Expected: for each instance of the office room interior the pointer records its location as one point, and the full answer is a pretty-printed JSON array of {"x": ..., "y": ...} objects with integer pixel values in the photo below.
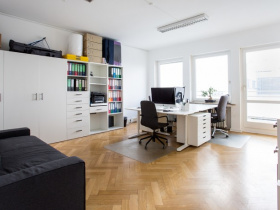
[{"x": 233, "y": 29}]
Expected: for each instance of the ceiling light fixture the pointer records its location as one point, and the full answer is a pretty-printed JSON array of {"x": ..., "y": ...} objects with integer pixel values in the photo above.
[{"x": 183, "y": 23}]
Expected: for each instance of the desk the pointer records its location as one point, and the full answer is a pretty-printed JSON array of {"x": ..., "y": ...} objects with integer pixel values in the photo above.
[{"x": 182, "y": 121}]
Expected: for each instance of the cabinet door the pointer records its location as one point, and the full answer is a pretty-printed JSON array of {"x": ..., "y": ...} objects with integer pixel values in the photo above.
[
  {"x": 52, "y": 96},
  {"x": 21, "y": 105},
  {"x": 1, "y": 89}
]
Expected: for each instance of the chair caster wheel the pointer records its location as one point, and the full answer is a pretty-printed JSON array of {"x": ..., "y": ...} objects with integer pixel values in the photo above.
[
  {"x": 213, "y": 137},
  {"x": 226, "y": 136}
]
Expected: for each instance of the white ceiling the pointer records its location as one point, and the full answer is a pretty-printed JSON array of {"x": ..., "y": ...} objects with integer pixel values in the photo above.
[{"x": 134, "y": 22}]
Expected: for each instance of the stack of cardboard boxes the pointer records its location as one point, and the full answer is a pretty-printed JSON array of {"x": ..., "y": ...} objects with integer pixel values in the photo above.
[{"x": 93, "y": 47}]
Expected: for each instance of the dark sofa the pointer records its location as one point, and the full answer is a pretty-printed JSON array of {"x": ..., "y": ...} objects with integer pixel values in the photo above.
[{"x": 34, "y": 175}]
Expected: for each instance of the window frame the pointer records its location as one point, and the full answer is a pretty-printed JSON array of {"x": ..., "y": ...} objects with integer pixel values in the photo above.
[
  {"x": 168, "y": 61},
  {"x": 193, "y": 72}
]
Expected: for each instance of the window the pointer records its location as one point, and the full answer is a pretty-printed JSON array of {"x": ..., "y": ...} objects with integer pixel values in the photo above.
[
  {"x": 170, "y": 73},
  {"x": 262, "y": 82},
  {"x": 210, "y": 70}
]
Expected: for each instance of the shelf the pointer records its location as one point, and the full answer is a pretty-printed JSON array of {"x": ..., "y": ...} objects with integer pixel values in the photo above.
[
  {"x": 77, "y": 76},
  {"x": 114, "y": 101},
  {"x": 115, "y": 113},
  {"x": 114, "y": 89},
  {"x": 113, "y": 78},
  {"x": 93, "y": 83},
  {"x": 98, "y": 77},
  {"x": 97, "y": 131},
  {"x": 115, "y": 128}
]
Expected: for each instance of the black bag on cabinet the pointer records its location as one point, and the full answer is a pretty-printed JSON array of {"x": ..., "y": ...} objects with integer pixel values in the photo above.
[{"x": 30, "y": 49}]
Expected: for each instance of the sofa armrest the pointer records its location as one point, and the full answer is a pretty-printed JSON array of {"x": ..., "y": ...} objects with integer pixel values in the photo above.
[
  {"x": 4, "y": 134},
  {"x": 55, "y": 185}
]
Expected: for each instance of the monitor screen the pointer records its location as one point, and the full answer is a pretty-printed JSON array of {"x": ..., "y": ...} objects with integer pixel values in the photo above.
[{"x": 163, "y": 95}]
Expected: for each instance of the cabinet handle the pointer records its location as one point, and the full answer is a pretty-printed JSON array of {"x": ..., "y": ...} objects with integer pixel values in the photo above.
[
  {"x": 79, "y": 120},
  {"x": 204, "y": 123},
  {"x": 79, "y": 101},
  {"x": 36, "y": 96},
  {"x": 204, "y": 127},
  {"x": 79, "y": 130},
  {"x": 204, "y": 132},
  {"x": 204, "y": 119},
  {"x": 204, "y": 137},
  {"x": 276, "y": 149},
  {"x": 78, "y": 94},
  {"x": 42, "y": 96},
  {"x": 79, "y": 113},
  {"x": 79, "y": 107},
  {"x": 98, "y": 109},
  {"x": 204, "y": 115}
]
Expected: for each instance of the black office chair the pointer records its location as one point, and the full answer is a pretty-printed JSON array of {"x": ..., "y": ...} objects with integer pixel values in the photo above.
[
  {"x": 149, "y": 119},
  {"x": 220, "y": 115}
]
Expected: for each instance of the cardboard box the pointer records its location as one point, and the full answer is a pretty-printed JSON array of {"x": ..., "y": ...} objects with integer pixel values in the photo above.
[
  {"x": 88, "y": 51},
  {"x": 94, "y": 59},
  {"x": 75, "y": 57},
  {"x": 92, "y": 45},
  {"x": 92, "y": 38}
]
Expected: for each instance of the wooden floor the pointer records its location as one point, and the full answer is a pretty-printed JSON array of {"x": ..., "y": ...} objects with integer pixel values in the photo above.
[{"x": 209, "y": 177}]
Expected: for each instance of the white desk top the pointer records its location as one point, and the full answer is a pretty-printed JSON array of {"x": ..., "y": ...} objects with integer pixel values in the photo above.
[{"x": 193, "y": 108}]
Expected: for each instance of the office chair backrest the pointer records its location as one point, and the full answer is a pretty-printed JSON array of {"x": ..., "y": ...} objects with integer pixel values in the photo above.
[
  {"x": 221, "y": 110},
  {"x": 149, "y": 114}
]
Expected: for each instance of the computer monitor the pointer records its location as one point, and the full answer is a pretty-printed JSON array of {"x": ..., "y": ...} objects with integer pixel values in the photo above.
[{"x": 163, "y": 95}]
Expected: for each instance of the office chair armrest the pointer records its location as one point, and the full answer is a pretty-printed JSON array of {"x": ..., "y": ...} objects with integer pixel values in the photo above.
[{"x": 164, "y": 116}]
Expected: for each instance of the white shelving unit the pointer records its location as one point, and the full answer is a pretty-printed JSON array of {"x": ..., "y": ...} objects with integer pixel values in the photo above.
[{"x": 101, "y": 82}]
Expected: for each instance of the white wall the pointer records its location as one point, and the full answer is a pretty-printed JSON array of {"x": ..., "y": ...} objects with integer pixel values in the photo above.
[
  {"x": 135, "y": 78},
  {"x": 233, "y": 43},
  {"x": 134, "y": 60}
]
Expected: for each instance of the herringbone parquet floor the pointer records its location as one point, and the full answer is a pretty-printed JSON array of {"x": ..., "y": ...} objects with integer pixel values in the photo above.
[{"x": 208, "y": 177}]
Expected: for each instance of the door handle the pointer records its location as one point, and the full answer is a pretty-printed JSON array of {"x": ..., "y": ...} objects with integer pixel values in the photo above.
[{"x": 276, "y": 149}]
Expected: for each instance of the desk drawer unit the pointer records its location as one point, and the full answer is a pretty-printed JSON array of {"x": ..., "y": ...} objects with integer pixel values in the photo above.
[
  {"x": 199, "y": 128},
  {"x": 77, "y": 114}
]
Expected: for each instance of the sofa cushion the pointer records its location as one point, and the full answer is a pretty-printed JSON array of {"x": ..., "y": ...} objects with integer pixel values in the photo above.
[
  {"x": 2, "y": 171},
  {"x": 25, "y": 151}
]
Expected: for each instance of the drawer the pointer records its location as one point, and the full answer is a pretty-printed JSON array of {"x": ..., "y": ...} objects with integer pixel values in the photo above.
[
  {"x": 201, "y": 120},
  {"x": 73, "y": 94},
  {"x": 77, "y": 107},
  {"x": 203, "y": 125},
  {"x": 75, "y": 114},
  {"x": 203, "y": 139},
  {"x": 77, "y": 122},
  {"x": 98, "y": 109},
  {"x": 78, "y": 100},
  {"x": 73, "y": 133}
]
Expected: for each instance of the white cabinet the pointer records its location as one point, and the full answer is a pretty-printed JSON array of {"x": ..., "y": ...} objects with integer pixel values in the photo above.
[
  {"x": 199, "y": 128},
  {"x": 35, "y": 95},
  {"x": 1, "y": 89}
]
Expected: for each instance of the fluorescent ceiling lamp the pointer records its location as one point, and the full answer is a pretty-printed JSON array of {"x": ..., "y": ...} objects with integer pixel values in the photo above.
[{"x": 183, "y": 23}]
